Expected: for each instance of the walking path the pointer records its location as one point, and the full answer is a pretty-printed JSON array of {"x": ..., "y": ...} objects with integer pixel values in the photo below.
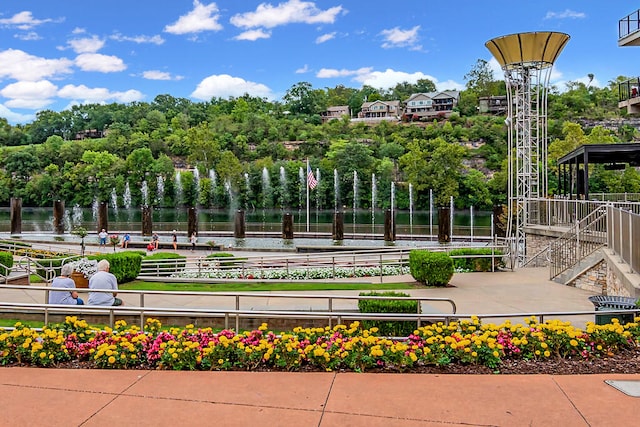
[
  {"x": 78, "y": 397},
  {"x": 61, "y": 397}
]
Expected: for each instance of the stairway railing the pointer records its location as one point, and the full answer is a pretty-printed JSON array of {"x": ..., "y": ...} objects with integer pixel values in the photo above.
[{"x": 587, "y": 236}]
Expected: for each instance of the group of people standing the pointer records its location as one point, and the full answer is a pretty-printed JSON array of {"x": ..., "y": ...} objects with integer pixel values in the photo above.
[{"x": 101, "y": 280}]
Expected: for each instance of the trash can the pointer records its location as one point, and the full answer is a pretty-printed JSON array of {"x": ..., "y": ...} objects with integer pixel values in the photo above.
[{"x": 610, "y": 303}]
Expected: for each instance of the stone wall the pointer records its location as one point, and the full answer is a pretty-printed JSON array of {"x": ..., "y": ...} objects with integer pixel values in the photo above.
[{"x": 593, "y": 280}]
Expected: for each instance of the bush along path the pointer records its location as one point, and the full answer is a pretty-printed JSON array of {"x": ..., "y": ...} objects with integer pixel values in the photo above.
[{"x": 465, "y": 346}]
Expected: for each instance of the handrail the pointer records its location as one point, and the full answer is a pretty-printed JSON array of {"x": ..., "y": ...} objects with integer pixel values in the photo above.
[
  {"x": 586, "y": 237},
  {"x": 339, "y": 316},
  {"x": 236, "y": 297}
]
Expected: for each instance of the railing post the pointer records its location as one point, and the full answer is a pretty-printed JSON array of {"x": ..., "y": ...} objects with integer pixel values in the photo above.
[
  {"x": 577, "y": 240},
  {"x": 237, "y": 314},
  {"x": 381, "y": 271},
  {"x": 630, "y": 241},
  {"x": 620, "y": 234}
]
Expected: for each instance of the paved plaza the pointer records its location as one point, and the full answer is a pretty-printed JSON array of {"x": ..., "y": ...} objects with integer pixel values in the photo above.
[{"x": 82, "y": 397}]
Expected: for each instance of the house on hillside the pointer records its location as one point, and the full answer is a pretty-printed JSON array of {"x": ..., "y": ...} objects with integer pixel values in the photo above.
[
  {"x": 335, "y": 112},
  {"x": 492, "y": 105},
  {"x": 431, "y": 104},
  {"x": 90, "y": 133},
  {"x": 380, "y": 110}
]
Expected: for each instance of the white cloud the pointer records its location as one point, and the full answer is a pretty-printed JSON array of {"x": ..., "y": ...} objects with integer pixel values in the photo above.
[
  {"x": 567, "y": 13},
  {"x": 98, "y": 95},
  {"x": 30, "y": 36},
  {"x": 160, "y": 75},
  {"x": 157, "y": 40},
  {"x": 86, "y": 45},
  {"x": 332, "y": 73},
  {"x": 253, "y": 35},
  {"x": 13, "y": 117},
  {"x": 201, "y": 18},
  {"x": 78, "y": 30},
  {"x": 224, "y": 86},
  {"x": 325, "y": 37},
  {"x": 303, "y": 70},
  {"x": 396, "y": 37},
  {"x": 99, "y": 62},
  {"x": 29, "y": 90},
  {"x": 385, "y": 79},
  {"x": 23, "y": 21},
  {"x": 19, "y": 65},
  {"x": 293, "y": 11}
]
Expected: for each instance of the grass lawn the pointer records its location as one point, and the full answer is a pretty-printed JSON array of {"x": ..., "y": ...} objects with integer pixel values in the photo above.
[{"x": 257, "y": 286}]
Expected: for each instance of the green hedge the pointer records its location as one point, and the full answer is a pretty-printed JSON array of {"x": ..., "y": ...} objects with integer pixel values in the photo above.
[
  {"x": 124, "y": 265},
  {"x": 482, "y": 263},
  {"x": 165, "y": 268},
  {"x": 6, "y": 262},
  {"x": 390, "y": 328},
  {"x": 430, "y": 268}
]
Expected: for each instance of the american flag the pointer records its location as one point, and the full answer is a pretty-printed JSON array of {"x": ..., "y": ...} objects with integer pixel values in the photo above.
[{"x": 312, "y": 182}]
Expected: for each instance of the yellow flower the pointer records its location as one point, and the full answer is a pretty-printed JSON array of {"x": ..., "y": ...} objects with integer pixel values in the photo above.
[
  {"x": 573, "y": 343},
  {"x": 112, "y": 360}
]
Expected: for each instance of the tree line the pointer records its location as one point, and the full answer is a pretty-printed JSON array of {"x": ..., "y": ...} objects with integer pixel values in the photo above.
[{"x": 223, "y": 147}]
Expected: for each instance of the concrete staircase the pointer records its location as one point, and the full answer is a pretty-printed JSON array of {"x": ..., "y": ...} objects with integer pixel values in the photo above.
[{"x": 582, "y": 266}]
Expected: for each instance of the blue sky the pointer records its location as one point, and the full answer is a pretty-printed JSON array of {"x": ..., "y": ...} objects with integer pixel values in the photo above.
[{"x": 54, "y": 54}]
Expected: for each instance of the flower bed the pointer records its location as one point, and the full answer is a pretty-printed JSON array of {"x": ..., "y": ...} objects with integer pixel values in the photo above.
[
  {"x": 294, "y": 273},
  {"x": 342, "y": 347}
]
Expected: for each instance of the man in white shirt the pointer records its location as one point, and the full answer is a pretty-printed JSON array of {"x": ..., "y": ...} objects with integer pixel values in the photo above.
[{"x": 104, "y": 280}]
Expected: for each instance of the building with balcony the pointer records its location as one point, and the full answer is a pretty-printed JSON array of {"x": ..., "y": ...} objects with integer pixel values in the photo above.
[
  {"x": 629, "y": 35},
  {"x": 335, "y": 112},
  {"x": 432, "y": 104},
  {"x": 380, "y": 110},
  {"x": 496, "y": 105}
]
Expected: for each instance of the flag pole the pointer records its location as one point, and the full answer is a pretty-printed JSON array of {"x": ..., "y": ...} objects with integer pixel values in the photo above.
[{"x": 307, "y": 185}]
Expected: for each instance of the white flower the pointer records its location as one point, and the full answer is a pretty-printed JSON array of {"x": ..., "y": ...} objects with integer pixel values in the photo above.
[{"x": 85, "y": 266}]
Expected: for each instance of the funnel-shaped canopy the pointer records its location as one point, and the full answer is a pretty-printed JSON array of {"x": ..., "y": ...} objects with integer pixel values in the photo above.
[{"x": 538, "y": 49}]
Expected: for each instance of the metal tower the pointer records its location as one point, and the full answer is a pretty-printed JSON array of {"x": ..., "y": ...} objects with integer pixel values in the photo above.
[{"x": 527, "y": 60}]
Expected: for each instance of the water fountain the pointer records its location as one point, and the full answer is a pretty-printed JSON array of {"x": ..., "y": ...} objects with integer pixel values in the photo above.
[
  {"x": 94, "y": 208},
  {"x": 212, "y": 191},
  {"x": 76, "y": 215},
  {"x": 114, "y": 200},
  {"x": 229, "y": 191},
  {"x": 431, "y": 212},
  {"x": 373, "y": 204},
  {"x": 411, "y": 210},
  {"x": 247, "y": 184},
  {"x": 160, "y": 191},
  {"x": 336, "y": 190},
  {"x": 126, "y": 198},
  {"x": 283, "y": 188},
  {"x": 144, "y": 191},
  {"x": 355, "y": 200},
  {"x": 302, "y": 187},
  {"x": 266, "y": 194},
  {"x": 196, "y": 185},
  {"x": 177, "y": 183}
]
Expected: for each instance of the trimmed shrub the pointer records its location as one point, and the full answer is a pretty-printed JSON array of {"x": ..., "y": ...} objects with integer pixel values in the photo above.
[
  {"x": 430, "y": 268},
  {"x": 164, "y": 266},
  {"x": 390, "y": 328},
  {"x": 6, "y": 262},
  {"x": 482, "y": 263},
  {"x": 124, "y": 265}
]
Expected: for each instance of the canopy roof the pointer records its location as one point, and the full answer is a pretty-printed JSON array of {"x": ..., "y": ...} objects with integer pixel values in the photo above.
[
  {"x": 603, "y": 154},
  {"x": 536, "y": 49}
]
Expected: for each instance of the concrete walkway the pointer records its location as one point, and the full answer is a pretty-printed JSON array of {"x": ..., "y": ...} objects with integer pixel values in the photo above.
[{"x": 60, "y": 397}]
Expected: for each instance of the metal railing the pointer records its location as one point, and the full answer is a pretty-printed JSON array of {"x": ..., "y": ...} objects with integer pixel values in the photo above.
[
  {"x": 232, "y": 316},
  {"x": 298, "y": 266},
  {"x": 565, "y": 212},
  {"x": 237, "y": 304},
  {"x": 588, "y": 235},
  {"x": 629, "y": 24},
  {"x": 623, "y": 235}
]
